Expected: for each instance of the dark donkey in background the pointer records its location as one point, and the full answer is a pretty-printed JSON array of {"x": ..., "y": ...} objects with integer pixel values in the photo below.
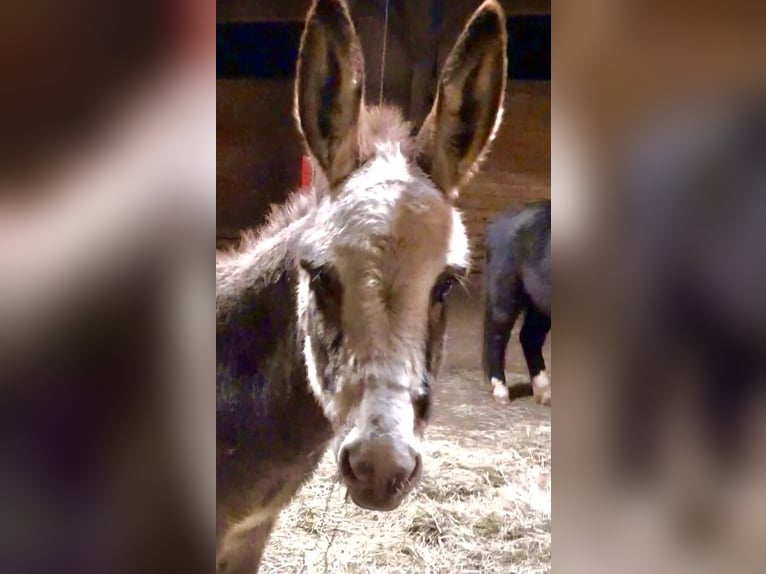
[
  {"x": 518, "y": 278},
  {"x": 331, "y": 319}
]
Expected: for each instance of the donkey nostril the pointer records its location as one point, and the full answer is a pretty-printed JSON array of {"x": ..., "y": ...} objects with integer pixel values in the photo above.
[
  {"x": 360, "y": 466},
  {"x": 405, "y": 478},
  {"x": 354, "y": 466}
]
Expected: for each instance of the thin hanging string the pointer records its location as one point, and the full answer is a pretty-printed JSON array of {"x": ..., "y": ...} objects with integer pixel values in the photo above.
[{"x": 383, "y": 62}]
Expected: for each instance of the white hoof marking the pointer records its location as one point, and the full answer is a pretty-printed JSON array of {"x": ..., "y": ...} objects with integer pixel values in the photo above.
[
  {"x": 499, "y": 390},
  {"x": 541, "y": 387}
]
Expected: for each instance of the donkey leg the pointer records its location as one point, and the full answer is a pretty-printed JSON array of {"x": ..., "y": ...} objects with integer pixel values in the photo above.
[
  {"x": 498, "y": 323},
  {"x": 533, "y": 333},
  {"x": 243, "y": 545}
]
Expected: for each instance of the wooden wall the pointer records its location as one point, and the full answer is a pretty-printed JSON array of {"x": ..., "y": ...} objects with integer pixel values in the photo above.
[
  {"x": 259, "y": 156},
  {"x": 517, "y": 170},
  {"x": 295, "y": 10},
  {"x": 259, "y": 149}
]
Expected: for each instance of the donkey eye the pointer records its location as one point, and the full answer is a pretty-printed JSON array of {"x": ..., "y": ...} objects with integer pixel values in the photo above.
[
  {"x": 422, "y": 406},
  {"x": 320, "y": 276},
  {"x": 319, "y": 280},
  {"x": 327, "y": 289},
  {"x": 442, "y": 288}
]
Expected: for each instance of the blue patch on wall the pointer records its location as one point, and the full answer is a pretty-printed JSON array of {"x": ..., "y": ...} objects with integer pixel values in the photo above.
[
  {"x": 270, "y": 49},
  {"x": 529, "y": 47},
  {"x": 257, "y": 49}
]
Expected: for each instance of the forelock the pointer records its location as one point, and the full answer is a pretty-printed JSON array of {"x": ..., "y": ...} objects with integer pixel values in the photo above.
[{"x": 383, "y": 128}]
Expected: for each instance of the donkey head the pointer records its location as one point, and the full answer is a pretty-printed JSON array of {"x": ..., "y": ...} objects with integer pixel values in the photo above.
[{"x": 385, "y": 242}]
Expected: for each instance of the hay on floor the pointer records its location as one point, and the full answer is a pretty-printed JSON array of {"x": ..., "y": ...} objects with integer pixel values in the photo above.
[{"x": 483, "y": 506}]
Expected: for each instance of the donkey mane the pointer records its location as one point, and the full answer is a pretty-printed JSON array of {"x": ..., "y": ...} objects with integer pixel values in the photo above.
[
  {"x": 382, "y": 126},
  {"x": 298, "y": 205}
]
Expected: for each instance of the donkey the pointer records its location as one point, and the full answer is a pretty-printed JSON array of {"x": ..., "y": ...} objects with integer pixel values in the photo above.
[
  {"x": 331, "y": 318},
  {"x": 518, "y": 278}
]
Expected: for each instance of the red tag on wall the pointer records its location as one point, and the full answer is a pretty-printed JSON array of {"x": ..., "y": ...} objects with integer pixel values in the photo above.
[{"x": 306, "y": 171}]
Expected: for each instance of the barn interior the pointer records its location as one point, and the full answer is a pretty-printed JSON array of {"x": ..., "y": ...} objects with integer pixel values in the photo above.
[{"x": 485, "y": 501}]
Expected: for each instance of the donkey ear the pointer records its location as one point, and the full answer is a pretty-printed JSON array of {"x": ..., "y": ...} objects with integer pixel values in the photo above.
[
  {"x": 329, "y": 88},
  {"x": 468, "y": 106}
]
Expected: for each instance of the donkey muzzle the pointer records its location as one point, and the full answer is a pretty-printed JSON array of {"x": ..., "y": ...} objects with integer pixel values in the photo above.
[{"x": 379, "y": 472}]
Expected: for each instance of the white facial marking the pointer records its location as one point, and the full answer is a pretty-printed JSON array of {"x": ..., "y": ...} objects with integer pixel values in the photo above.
[
  {"x": 389, "y": 233},
  {"x": 311, "y": 367},
  {"x": 383, "y": 413},
  {"x": 394, "y": 233},
  {"x": 459, "y": 250},
  {"x": 499, "y": 390}
]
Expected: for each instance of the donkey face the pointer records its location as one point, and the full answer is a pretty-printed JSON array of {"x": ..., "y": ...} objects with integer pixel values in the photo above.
[{"x": 385, "y": 242}]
